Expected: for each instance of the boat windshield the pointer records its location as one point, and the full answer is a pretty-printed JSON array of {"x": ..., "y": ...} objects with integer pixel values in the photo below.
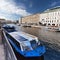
[
  {"x": 27, "y": 48},
  {"x": 32, "y": 46}
]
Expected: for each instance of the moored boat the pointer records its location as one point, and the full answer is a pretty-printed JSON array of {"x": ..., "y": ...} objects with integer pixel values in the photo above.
[{"x": 28, "y": 46}]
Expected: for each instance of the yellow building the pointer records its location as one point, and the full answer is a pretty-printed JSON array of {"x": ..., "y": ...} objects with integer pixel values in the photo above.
[
  {"x": 31, "y": 20},
  {"x": 2, "y": 20}
]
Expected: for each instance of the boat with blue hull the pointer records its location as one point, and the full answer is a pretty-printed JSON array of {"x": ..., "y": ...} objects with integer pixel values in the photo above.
[{"x": 27, "y": 46}]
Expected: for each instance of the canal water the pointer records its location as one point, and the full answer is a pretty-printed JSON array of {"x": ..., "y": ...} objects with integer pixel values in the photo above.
[{"x": 50, "y": 39}]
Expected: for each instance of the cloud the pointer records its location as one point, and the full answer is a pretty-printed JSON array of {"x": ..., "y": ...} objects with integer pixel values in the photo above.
[
  {"x": 1, "y": 16},
  {"x": 10, "y": 8},
  {"x": 55, "y": 3}
]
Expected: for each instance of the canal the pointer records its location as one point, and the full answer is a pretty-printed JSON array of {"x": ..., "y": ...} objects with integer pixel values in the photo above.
[{"x": 50, "y": 39}]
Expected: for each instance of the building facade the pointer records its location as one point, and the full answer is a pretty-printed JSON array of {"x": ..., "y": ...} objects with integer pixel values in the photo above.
[
  {"x": 31, "y": 20},
  {"x": 2, "y": 20},
  {"x": 51, "y": 17}
]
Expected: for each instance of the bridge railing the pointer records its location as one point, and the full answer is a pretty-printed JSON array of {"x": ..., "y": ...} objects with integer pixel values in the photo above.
[{"x": 10, "y": 55}]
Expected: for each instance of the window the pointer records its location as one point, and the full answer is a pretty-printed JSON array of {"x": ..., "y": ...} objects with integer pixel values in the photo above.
[
  {"x": 48, "y": 21},
  {"x": 26, "y": 48},
  {"x": 45, "y": 24},
  {"x": 59, "y": 24},
  {"x": 48, "y": 24},
  {"x": 34, "y": 44},
  {"x": 42, "y": 19},
  {"x": 53, "y": 24},
  {"x": 58, "y": 13},
  {"x": 52, "y": 20},
  {"x": 14, "y": 41},
  {"x": 57, "y": 20},
  {"x": 55, "y": 17}
]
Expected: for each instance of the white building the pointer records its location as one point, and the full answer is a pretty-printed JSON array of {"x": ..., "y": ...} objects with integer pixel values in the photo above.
[{"x": 51, "y": 17}]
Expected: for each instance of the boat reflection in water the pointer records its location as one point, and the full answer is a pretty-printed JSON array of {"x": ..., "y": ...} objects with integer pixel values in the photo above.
[
  {"x": 26, "y": 45},
  {"x": 56, "y": 29}
]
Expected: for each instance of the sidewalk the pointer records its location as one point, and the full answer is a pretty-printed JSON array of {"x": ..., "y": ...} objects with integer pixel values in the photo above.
[{"x": 2, "y": 55}]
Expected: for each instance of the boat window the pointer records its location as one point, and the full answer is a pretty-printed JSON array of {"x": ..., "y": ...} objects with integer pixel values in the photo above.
[
  {"x": 9, "y": 29},
  {"x": 21, "y": 38},
  {"x": 26, "y": 48},
  {"x": 14, "y": 41},
  {"x": 33, "y": 44}
]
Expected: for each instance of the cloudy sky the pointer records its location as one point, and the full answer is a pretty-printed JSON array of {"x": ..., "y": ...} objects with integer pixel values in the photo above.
[{"x": 14, "y": 9}]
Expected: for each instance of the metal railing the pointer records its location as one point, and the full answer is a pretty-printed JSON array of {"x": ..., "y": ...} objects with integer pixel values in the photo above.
[{"x": 10, "y": 55}]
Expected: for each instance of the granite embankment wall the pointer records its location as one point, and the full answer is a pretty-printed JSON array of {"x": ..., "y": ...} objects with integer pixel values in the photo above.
[
  {"x": 2, "y": 51},
  {"x": 1, "y": 36}
]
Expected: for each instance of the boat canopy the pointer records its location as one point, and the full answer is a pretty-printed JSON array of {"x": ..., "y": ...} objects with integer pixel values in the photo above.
[{"x": 23, "y": 35}]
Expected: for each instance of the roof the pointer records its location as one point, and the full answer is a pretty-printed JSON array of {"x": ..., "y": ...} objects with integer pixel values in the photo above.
[
  {"x": 22, "y": 36},
  {"x": 52, "y": 9}
]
